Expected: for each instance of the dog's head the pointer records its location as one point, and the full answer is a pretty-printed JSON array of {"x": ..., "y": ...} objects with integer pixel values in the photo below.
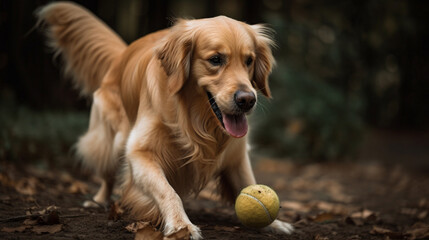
[{"x": 226, "y": 60}]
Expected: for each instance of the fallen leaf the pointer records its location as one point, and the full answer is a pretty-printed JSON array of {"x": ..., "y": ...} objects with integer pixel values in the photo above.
[
  {"x": 386, "y": 232},
  {"x": 66, "y": 177},
  {"x": 301, "y": 223},
  {"x": 14, "y": 229},
  {"x": 379, "y": 230},
  {"x": 27, "y": 186},
  {"x": 30, "y": 221},
  {"x": 422, "y": 215},
  {"x": 318, "y": 237},
  {"x": 49, "y": 215},
  {"x": 48, "y": 209},
  {"x": 78, "y": 187},
  {"x": 39, "y": 229},
  {"x": 323, "y": 217},
  {"x": 135, "y": 226},
  {"x": 144, "y": 230},
  {"x": 335, "y": 208},
  {"x": 354, "y": 237},
  {"x": 418, "y": 231},
  {"x": 297, "y": 206},
  {"x": 354, "y": 221},
  {"x": 148, "y": 233},
  {"x": 182, "y": 234},
  {"x": 224, "y": 228},
  {"x": 366, "y": 215}
]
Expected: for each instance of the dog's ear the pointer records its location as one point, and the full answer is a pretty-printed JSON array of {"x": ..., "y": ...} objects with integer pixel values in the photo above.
[
  {"x": 264, "y": 61},
  {"x": 175, "y": 53}
]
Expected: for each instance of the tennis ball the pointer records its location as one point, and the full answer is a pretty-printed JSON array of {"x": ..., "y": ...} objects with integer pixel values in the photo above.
[{"x": 257, "y": 206}]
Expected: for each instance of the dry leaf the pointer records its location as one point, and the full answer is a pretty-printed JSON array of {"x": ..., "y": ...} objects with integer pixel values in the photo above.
[
  {"x": 66, "y": 177},
  {"x": 50, "y": 219},
  {"x": 49, "y": 215},
  {"x": 225, "y": 228},
  {"x": 182, "y": 234},
  {"x": 422, "y": 215},
  {"x": 379, "y": 230},
  {"x": 14, "y": 229},
  {"x": 338, "y": 209},
  {"x": 323, "y": 217},
  {"x": 418, "y": 231},
  {"x": 144, "y": 230},
  {"x": 297, "y": 206},
  {"x": 354, "y": 237},
  {"x": 30, "y": 221},
  {"x": 147, "y": 233},
  {"x": 366, "y": 215},
  {"x": 39, "y": 229},
  {"x": 48, "y": 209},
  {"x": 301, "y": 223},
  {"x": 78, "y": 187},
  {"x": 354, "y": 221},
  {"x": 135, "y": 226},
  {"x": 386, "y": 232},
  {"x": 27, "y": 186},
  {"x": 318, "y": 237}
]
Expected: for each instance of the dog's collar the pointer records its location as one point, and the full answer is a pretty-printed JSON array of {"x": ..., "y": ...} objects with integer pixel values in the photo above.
[{"x": 215, "y": 107}]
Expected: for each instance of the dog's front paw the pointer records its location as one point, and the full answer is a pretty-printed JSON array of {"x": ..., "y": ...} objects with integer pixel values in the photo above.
[
  {"x": 189, "y": 231},
  {"x": 279, "y": 227}
]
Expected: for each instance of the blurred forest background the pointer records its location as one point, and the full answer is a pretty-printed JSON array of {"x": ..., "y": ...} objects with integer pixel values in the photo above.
[{"x": 344, "y": 69}]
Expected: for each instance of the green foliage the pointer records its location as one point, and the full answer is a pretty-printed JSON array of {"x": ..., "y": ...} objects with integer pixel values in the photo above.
[
  {"x": 308, "y": 119},
  {"x": 33, "y": 135}
]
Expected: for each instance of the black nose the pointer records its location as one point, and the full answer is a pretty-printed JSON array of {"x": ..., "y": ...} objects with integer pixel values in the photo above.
[{"x": 244, "y": 100}]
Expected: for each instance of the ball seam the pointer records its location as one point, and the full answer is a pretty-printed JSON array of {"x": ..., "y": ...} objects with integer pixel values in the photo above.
[{"x": 262, "y": 204}]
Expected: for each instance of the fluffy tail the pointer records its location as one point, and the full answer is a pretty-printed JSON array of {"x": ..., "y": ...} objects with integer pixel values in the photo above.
[{"x": 87, "y": 45}]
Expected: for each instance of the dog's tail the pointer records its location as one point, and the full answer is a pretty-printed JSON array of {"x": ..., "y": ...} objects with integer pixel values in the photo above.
[{"x": 87, "y": 45}]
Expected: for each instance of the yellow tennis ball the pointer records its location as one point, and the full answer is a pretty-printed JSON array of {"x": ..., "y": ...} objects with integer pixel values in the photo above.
[{"x": 257, "y": 206}]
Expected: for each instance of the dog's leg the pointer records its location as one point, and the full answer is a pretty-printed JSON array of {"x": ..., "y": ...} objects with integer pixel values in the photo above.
[
  {"x": 237, "y": 175},
  {"x": 149, "y": 177},
  {"x": 102, "y": 146}
]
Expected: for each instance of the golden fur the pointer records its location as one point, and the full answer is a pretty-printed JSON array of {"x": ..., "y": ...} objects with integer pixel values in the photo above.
[{"x": 150, "y": 105}]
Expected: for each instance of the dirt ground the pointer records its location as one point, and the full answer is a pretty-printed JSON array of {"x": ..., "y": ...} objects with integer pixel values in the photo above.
[{"x": 383, "y": 196}]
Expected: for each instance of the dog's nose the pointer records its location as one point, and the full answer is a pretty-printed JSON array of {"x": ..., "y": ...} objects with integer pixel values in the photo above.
[{"x": 244, "y": 100}]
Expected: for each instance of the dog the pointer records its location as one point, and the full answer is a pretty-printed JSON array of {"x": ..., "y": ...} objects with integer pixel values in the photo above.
[{"x": 171, "y": 107}]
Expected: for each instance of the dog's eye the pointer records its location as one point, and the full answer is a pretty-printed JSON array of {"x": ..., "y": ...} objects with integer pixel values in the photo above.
[
  {"x": 249, "y": 61},
  {"x": 216, "y": 60}
]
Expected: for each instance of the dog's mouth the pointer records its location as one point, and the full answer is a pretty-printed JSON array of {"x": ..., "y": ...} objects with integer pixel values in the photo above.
[{"x": 234, "y": 124}]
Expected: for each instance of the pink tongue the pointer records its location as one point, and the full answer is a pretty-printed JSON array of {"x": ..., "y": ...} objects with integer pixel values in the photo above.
[{"x": 235, "y": 125}]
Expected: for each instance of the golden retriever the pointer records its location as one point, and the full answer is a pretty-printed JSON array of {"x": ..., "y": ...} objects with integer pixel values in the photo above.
[{"x": 171, "y": 107}]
